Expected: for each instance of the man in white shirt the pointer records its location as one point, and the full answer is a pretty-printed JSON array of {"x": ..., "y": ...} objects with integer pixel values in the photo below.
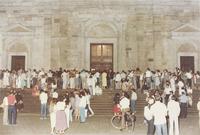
[
  {"x": 64, "y": 79},
  {"x": 118, "y": 81},
  {"x": 43, "y": 101},
  {"x": 159, "y": 111},
  {"x": 124, "y": 105},
  {"x": 173, "y": 108},
  {"x": 148, "y": 75},
  {"x": 189, "y": 78},
  {"x": 149, "y": 117},
  {"x": 133, "y": 100},
  {"x": 167, "y": 91},
  {"x": 82, "y": 105},
  {"x": 55, "y": 94}
]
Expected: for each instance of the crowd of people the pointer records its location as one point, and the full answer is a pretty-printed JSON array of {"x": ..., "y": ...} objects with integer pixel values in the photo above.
[
  {"x": 164, "y": 89},
  {"x": 66, "y": 107},
  {"x": 168, "y": 96}
]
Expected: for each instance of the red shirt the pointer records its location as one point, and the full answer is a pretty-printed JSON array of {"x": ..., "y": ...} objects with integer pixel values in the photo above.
[{"x": 11, "y": 100}]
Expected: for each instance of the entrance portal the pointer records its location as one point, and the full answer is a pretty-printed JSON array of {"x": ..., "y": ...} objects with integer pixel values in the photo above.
[
  {"x": 101, "y": 56},
  {"x": 17, "y": 62},
  {"x": 187, "y": 63}
]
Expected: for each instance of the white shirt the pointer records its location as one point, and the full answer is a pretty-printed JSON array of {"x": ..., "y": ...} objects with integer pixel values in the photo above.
[
  {"x": 40, "y": 74},
  {"x": 148, "y": 73},
  {"x": 90, "y": 81},
  {"x": 180, "y": 84},
  {"x": 159, "y": 111},
  {"x": 64, "y": 76},
  {"x": 34, "y": 74},
  {"x": 43, "y": 80},
  {"x": 118, "y": 77},
  {"x": 173, "y": 108},
  {"x": 123, "y": 75},
  {"x": 97, "y": 74},
  {"x": 43, "y": 98},
  {"x": 88, "y": 99},
  {"x": 60, "y": 106},
  {"x": 124, "y": 103},
  {"x": 189, "y": 90},
  {"x": 147, "y": 113},
  {"x": 55, "y": 95},
  {"x": 133, "y": 96},
  {"x": 49, "y": 74},
  {"x": 5, "y": 102},
  {"x": 198, "y": 106},
  {"x": 188, "y": 75},
  {"x": 167, "y": 90},
  {"x": 83, "y": 101}
]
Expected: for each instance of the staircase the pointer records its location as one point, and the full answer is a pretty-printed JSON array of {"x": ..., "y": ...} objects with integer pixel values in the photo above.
[{"x": 101, "y": 105}]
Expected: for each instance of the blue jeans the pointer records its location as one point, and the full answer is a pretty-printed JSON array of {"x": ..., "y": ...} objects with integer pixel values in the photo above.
[
  {"x": 133, "y": 105},
  {"x": 161, "y": 129},
  {"x": 12, "y": 114},
  {"x": 82, "y": 114},
  {"x": 43, "y": 113}
]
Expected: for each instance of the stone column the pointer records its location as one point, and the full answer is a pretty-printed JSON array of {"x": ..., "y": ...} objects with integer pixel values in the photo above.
[{"x": 122, "y": 50}]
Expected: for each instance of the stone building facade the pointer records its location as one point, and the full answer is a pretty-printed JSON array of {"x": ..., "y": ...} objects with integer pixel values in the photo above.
[{"x": 58, "y": 33}]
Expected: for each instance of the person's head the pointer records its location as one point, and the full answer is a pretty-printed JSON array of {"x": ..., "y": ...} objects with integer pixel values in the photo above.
[
  {"x": 173, "y": 97},
  {"x": 11, "y": 92},
  {"x": 150, "y": 100},
  {"x": 183, "y": 93},
  {"x": 82, "y": 93},
  {"x": 60, "y": 98},
  {"x": 125, "y": 94},
  {"x": 157, "y": 98}
]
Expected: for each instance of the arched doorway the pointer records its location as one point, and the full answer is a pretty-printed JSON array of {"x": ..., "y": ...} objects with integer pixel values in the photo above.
[
  {"x": 101, "y": 46},
  {"x": 101, "y": 56}
]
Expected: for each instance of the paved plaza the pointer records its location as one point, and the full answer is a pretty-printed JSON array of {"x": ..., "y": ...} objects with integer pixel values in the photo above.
[{"x": 30, "y": 124}]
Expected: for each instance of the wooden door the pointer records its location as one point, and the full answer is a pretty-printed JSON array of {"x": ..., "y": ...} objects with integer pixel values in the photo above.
[
  {"x": 18, "y": 62},
  {"x": 101, "y": 56},
  {"x": 187, "y": 63}
]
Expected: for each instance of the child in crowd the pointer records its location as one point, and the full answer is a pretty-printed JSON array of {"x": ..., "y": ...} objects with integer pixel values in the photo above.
[{"x": 116, "y": 107}]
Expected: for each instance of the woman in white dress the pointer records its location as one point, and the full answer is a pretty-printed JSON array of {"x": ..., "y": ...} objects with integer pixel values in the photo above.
[
  {"x": 61, "y": 123},
  {"x": 88, "y": 107},
  {"x": 72, "y": 80},
  {"x": 23, "y": 80},
  {"x": 4, "y": 105},
  {"x": 52, "y": 110},
  {"x": 18, "y": 81},
  {"x": 28, "y": 74},
  {"x": 104, "y": 79},
  {"x": 6, "y": 78},
  {"x": 67, "y": 112}
]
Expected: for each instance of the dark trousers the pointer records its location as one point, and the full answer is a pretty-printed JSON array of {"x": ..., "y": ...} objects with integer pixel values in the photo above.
[
  {"x": 12, "y": 114},
  {"x": 166, "y": 98},
  {"x": 151, "y": 128},
  {"x": 183, "y": 107},
  {"x": 189, "y": 82}
]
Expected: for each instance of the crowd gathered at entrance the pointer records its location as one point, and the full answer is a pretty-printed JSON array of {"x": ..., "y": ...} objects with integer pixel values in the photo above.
[{"x": 168, "y": 94}]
